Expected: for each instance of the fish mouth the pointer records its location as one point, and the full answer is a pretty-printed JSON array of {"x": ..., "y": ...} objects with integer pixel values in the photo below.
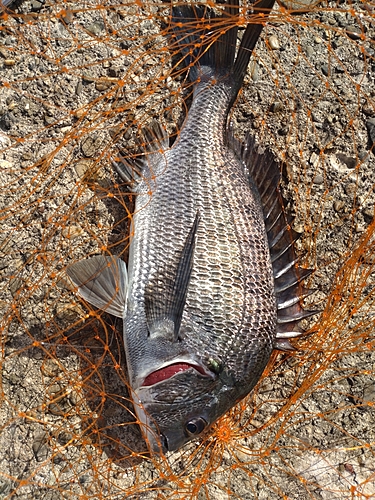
[{"x": 166, "y": 372}]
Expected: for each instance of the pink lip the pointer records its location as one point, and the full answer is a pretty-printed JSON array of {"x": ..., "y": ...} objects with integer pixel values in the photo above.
[{"x": 168, "y": 372}]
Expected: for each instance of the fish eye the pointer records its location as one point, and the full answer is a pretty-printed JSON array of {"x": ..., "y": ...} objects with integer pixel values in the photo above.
[{"x": 195, "y": 426}]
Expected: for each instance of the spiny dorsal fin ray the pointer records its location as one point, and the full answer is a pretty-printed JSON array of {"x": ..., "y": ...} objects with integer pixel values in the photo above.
[
  {"x": 102, "y": 281},
  {"x": 287, "y": 316},
  {"x": 283, "y": 246},
  {"x": 153, "y": 143},
  {"x": 291, "y": 296},
  {"x": 165, "y": 295},
  {"x": 264, "y": 172},
  {"x": 292, "y": 279},
  {"x": 129, "y": 171}
]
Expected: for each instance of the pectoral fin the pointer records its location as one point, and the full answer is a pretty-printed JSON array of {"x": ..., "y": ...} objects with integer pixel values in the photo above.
[
  {"x": 165, "y": 295},
  {"x": 102, "y": 281}
]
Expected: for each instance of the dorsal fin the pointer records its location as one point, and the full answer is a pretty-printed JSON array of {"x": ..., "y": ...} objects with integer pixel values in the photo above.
[
  {"x": 165, "y": 295},
  {"x": 154, "y": 141},
  {"x": 264, "y": 172}
]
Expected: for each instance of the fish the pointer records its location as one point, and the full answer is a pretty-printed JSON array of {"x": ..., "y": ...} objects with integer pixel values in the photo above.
[
  {"x": 5, "y": 3},
  {"x": 212, "y": 285}
]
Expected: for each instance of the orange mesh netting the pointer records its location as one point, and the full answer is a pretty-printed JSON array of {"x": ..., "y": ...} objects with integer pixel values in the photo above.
[{"x": 78, "y": 80}]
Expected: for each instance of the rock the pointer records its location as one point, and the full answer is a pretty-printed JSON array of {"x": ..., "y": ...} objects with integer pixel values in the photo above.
[
  {"x": 89, "y": 146},
  {"x": 318, "y": 179},
  {"x": 67, "y": 16},
  {"x": 351, "y": 189},
  {"x": 104, "y": 84},
  {"x": 84, "y": 169},
  {"x": 50, "y": 367},
  {"x": 338, "y": 205},
  {"x": 314, "y": 159},
  {"x": 274, "y": 42},
  {"x": 300, "y": 6},
  {"x": 95, "y": 28},
  {"x": 370, "y": 124},
  {"x": 277, "y": 106},
  {"x": 349, "y": 161},
  {"x": 353, "y": 32},
  {"x": 325, "y": 69},
  {"x": 36, "y": 5},
  {"x": 40, "y": 447},
  {"x": 71, "y": 232}
]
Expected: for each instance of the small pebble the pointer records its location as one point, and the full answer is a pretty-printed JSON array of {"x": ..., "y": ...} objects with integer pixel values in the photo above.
[
  {"x": 318, "y": 179},
  {"x": 72, "y": 232},
  {"x": 95, "y": 28},
  {"x": 370, "y": 124},
  {"x": 338, "y": 205},
  {"x": 89, "y": 146},
  {"x": 36, "y": 5},
  {"x": 64, "y": 437},
  {"x": 274, "y": 42},
  {"x": 300, "y": 6},
  {"x": 4, "y": 165},
  {"x": 254, "y": 71},
  {"x": 349, "y": 161},
  {"x": 353, "y": 32},
  {"x": 325, "y": 69},
  {"x": 49, "y": 120},
  {"x": 40, "y": 447},
  {"x": 351, "y": 189},
  {"x": 103, "y": 85},
  {"x": 79, "y": 87},
  {"x": 277, "y": 106},
  {"x": 67, "y": 16},
  {"x": 87, "y": 78},
  {"x": 79, "y": 113},
  {"x": 314, "y": 159},
  {"x": 368, "y": 213},
  {"x": 84, "y": 168},
  {"x": 50, "y": 368}
]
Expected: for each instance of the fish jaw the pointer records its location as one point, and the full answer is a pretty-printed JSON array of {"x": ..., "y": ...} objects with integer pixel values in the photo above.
[
  {"x": 168, "y": 369},
  {"x": 152, "y": 384},
  {"x": 149, "y": 431},
  {"x": 169, "y": 419}
]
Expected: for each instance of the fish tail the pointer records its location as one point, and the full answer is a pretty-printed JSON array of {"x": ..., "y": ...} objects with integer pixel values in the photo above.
[{"x": 195, "y": 31}]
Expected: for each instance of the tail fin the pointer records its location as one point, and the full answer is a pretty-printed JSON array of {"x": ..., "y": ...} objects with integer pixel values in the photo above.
[
  {"x": 261, "y": 8},
  {"x": 195, "y": 29}
]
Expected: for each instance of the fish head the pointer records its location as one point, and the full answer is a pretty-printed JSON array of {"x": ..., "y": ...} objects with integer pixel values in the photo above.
[{"x": 182, "y": 405}]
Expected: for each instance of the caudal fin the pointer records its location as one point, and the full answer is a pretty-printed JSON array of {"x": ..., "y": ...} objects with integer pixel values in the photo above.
[{"x": 195, "y": 31}]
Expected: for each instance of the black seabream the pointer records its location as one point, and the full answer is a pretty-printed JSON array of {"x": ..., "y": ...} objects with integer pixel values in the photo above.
[{"x": 211, "y": 286}]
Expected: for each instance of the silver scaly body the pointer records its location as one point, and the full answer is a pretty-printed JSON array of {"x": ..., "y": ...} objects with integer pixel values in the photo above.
[{"x": 210, "y": 263}]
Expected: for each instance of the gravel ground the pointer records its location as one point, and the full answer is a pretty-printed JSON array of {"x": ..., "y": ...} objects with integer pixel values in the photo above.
[{"x": 78, "y": 80}]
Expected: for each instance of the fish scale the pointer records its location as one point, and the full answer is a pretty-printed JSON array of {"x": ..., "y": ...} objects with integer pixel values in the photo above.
[
  {"x": 211, "y": 286},
  {"x": 231, "y": 223}
]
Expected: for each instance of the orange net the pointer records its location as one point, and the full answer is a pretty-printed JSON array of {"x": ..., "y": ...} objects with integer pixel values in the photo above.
[{"x": 77, "y": 82}]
